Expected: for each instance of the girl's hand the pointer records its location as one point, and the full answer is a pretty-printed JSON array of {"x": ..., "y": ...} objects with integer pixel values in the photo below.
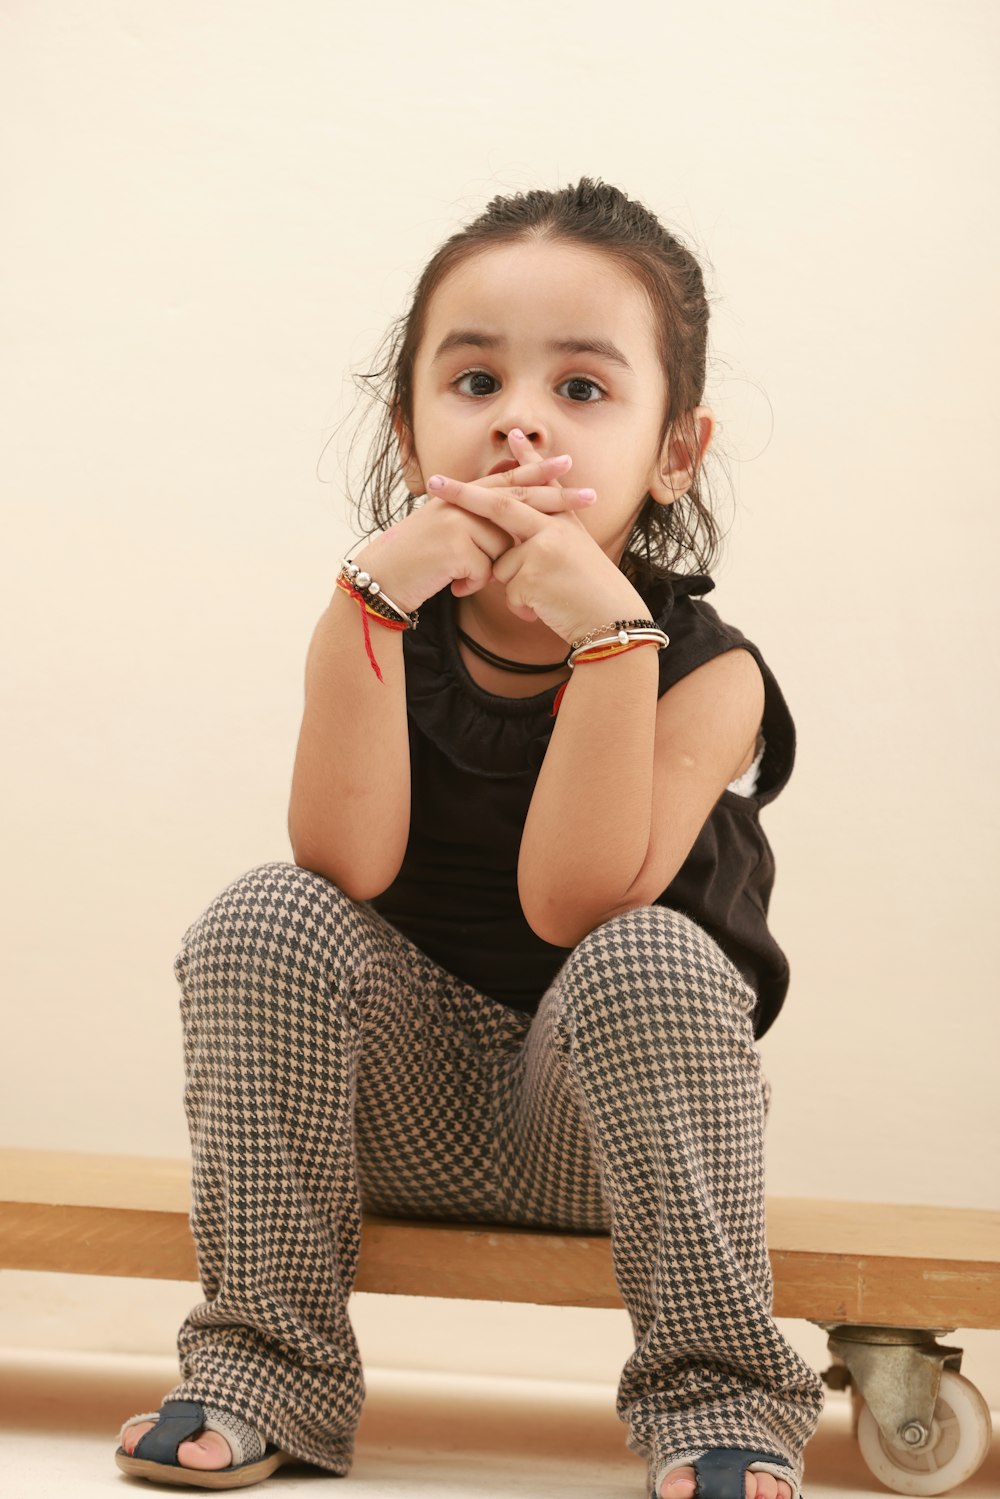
[
  {"x": 438, "y": 543},
  {"x": 555, "y": 571},
  {"x": 532, "y": 471}
]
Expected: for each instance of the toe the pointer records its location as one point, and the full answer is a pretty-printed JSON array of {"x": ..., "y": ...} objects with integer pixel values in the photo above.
[
  {"x": 134, "y": 1434},
  {"x": 678, "y": 1484},
  {"x": 766, "y": 1486},
  {"x": 208, "y": 1451}
]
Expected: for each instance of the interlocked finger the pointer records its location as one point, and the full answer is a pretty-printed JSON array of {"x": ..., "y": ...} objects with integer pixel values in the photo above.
[
  {"x": 520, "y": 510},
  {"x": 532, "y": 471},
  {"x": 534, "y": 483}
]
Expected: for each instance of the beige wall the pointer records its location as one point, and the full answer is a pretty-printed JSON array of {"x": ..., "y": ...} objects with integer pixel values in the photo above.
[{"x": 211, "y": 213}]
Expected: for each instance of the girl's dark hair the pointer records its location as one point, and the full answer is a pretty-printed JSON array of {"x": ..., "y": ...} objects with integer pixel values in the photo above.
[{"x": 590, "y": 213}]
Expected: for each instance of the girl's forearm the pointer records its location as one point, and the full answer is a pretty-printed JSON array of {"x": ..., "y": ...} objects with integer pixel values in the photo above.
[
  {"x": 349, "y": 812},
  {"x": 588, "y": 828}
]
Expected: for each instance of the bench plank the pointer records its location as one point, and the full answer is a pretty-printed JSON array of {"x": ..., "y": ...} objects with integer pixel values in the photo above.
[{"x": 854, "y": 1262}]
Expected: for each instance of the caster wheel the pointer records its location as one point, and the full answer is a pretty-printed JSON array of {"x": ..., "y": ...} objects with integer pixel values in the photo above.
[{"x": 960, "y": 1437}]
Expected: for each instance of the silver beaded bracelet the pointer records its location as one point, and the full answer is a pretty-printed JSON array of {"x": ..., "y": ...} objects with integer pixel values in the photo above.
[
  {"x": 612, "y": 629},
  {"x": 365, "y": 583},
  {"x": 622, "y": 637}
]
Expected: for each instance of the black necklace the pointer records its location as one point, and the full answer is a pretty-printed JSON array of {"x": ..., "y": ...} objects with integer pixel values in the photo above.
[{"x": 502, "y": 661}]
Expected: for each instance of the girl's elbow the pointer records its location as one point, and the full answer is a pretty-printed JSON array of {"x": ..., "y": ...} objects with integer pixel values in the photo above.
[
  {"x": 560, "y": 926},
  {"x": 552, "y": 932},
  {"x": 356, "y": 881},
  {"x": 568, "y": 927}
]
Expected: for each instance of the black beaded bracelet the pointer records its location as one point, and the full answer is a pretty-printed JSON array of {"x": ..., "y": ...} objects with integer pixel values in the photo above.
[{"x": 619, "y": 624}]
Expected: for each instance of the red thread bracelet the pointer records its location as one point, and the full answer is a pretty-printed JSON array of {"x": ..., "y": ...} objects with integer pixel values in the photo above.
[
  {"x": 390, "y": 624},
  {"x": 601, "y": 656}
]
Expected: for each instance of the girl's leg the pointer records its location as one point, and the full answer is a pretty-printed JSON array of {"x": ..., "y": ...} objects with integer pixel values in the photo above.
[
  {"x": 330, "y": 1067},
  {"x": 637, "y": 1104}
]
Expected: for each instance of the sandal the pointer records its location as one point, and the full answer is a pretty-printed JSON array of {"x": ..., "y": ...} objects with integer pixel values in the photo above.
[
  {"x": 155, "y": 1454},
  {"x": 720, "y": 1472}
]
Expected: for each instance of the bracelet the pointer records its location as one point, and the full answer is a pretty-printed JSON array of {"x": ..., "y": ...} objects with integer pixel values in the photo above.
[
  {"x": 372, "y": 611},
  {"x": 361, "y": 586},
  {"x": 364, "y": 583},
  {"x": 613, "y": 628},
  {"x": 611, "y": 645},
  {"x": 381, "y": 616}
]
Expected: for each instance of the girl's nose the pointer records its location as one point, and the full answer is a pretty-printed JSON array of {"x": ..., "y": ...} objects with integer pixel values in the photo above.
[{"x": 528, "y": 424}]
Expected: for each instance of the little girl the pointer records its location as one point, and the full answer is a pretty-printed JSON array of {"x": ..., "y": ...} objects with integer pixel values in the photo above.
[{"x": 517, "y": 969}]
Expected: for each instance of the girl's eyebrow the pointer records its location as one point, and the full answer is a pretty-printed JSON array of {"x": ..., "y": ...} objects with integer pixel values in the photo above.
[{"x": 471, "y": 337}]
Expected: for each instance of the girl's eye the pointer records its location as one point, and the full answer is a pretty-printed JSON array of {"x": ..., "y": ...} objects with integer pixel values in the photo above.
[
  {"x": 474, "y": 375},
  {"x": 579, "y": 388},
  {"x": 577, "y": 381}
]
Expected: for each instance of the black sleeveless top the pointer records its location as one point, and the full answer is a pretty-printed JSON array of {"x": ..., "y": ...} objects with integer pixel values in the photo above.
[{"x": 474, "y": 759}]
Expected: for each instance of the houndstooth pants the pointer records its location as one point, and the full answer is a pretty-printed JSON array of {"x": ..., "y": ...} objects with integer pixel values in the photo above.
[{"x": 332, "y": 1068}]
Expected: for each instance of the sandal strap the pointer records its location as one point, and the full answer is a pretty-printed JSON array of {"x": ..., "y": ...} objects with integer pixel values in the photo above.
[
  {"x": 720, "y": 1471},
  {"x": 178, "y": 1420}
]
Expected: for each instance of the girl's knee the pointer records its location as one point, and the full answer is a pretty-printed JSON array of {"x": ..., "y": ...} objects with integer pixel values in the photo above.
[
  {"x": 651, "y": 961},
  {"x": 276, "y": 899},
  {"x": 276, "y": 922}
]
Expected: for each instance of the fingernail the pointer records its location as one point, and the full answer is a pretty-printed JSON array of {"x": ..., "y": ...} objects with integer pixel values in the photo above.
[
  {"x": 516, "y": 432},
  {"x": 560, "y": 458},
  {"x": 589, "y": 495},
  {"x": 436, "y": 482}
]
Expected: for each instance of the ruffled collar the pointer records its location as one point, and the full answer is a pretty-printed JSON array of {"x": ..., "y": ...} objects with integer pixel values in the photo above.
[{"x": 481, "y": 732}]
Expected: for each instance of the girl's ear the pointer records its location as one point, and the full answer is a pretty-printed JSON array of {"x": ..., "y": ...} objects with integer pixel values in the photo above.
[
  {"x": 412, "y": 476},
  {"x": 686, "y": 444}
]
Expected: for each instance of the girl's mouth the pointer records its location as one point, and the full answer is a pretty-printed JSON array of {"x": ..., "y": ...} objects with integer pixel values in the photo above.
[{"x": 504, "y": 466}]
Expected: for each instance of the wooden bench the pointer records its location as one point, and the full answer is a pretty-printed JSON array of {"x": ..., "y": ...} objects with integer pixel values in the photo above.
[
  {"x": 882, "y": 1280},
  {"x": 840, "y": 1262}
]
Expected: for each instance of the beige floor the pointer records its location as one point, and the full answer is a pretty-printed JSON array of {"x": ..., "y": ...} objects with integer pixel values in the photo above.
[{"x": 420, "y": 1435}]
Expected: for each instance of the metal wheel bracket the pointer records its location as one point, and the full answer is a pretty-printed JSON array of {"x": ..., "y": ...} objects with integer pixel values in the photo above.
[{"x": 897, "y": 1372}]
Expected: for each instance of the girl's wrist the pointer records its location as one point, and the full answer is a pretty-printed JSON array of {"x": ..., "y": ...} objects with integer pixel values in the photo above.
[
  {"x": 390, "y": 571},
  {"x": 602, "y": 614}
]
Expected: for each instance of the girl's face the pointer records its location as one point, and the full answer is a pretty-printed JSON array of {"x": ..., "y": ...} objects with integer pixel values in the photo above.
[{"x": 558, "y": 340}]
